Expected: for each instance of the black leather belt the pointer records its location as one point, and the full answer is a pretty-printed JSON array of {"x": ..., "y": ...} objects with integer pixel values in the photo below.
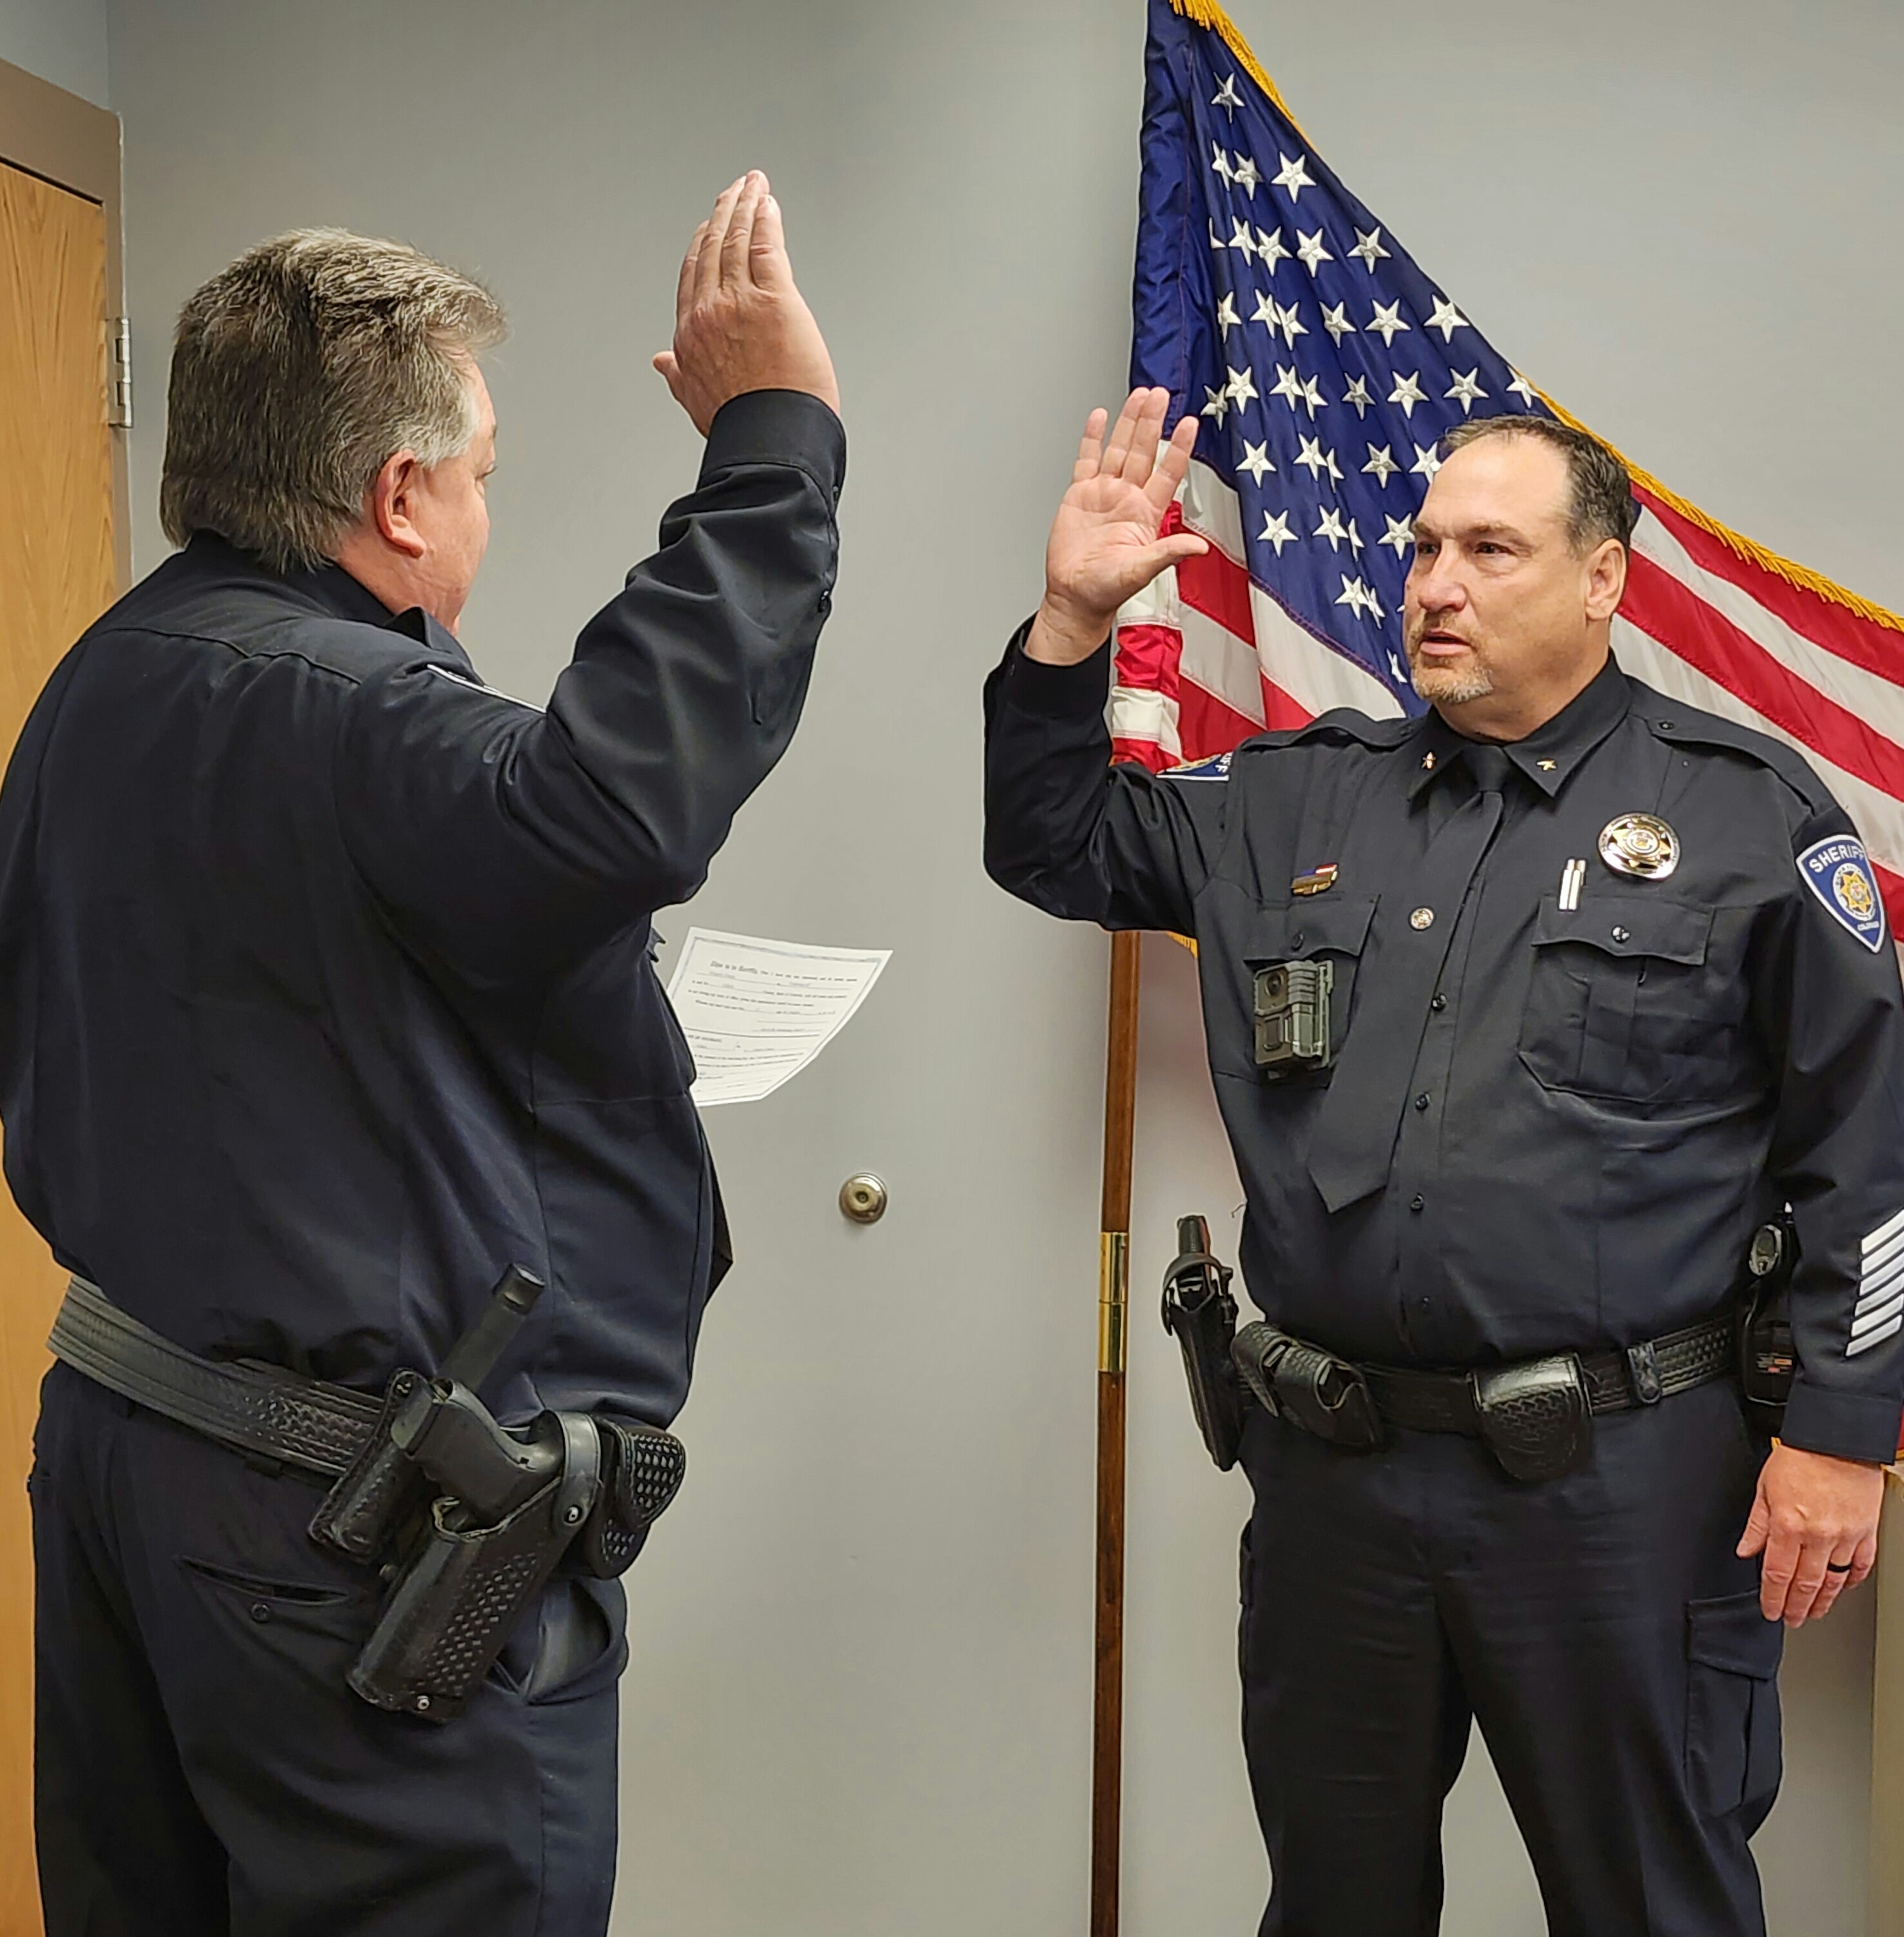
[
  {"x": 1429, "y": 1401},
  {"x": 255, "y": 1409}
]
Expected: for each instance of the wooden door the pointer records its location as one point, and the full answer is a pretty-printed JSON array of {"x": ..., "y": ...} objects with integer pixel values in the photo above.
[{"x": 56, "y": 575}]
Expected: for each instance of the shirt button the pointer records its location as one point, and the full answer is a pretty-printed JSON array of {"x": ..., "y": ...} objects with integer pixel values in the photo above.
[
  {"x": 1417, "y": 1201},
  {"x": 1622, "y": 934},
  {"x": 1421, "y": 1102},
  {"x": 1438, "y": 1004},
  {"x": 1422, "y": 917},
  {"x": 260, "y": 1611}
]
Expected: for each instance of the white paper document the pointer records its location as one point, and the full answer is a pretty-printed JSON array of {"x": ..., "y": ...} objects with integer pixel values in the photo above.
[{"x": 756, "y": 1012}]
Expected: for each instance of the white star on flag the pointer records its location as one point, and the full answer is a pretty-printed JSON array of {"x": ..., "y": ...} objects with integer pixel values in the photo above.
[
  {"x": 1276, "y": 531},
  {"x": 1311, "y": 249},
  {"x": 1317, "y": 460},
  {"x": 1382, "y": 463},
  {"x": 1357, "y": 394},
  {"x": 1336, "y": 322},
  {"x": 1400, "y": 533},
  {"x": 1220, "y": 162},
  {"x": 1283, "y": 319},
  {"x": 1227, "y": 318},
  {"x": 1246, "y": 175},
  {"x": 1218, "y": 406},
  {"x": 1467, "y": 391},
  {"x": 1288, "y": 385},
  {"x": 1255, "y": 460},
  {"x": 1294, "y": 176},
  {"x": 1226, "y": 97},
  {"x": 1240, "y": 237},
  {"x": 1425, "y": 465},
  {"x": 1447, "y": 319},
  {"x": 1523, "y": 390},
  {"x": 1272, "y": 248},
  {"x": 1242, "y": 385},
  {"x": 1387, "y": 322},
  {"x": 1408, "y": 393},
  {"x": 1368, "y": 248},
  {"x": 1331, "y": 529}
]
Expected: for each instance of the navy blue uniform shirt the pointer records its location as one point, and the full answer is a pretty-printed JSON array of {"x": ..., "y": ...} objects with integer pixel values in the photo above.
[
  {"x": 325, "y": 976},
  {"x": 1589, "y": 1095}
]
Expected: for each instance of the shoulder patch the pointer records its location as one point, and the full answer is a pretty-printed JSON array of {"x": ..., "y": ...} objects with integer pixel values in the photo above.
[
  {"x": 1838, "y": 871},
  {"x": 1215, "y": 768}
]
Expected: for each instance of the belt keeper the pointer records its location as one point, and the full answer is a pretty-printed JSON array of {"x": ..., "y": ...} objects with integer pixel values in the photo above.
[{"x": 1643, "y": 1371}]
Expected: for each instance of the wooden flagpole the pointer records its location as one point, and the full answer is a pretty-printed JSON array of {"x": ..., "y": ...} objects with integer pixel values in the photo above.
[{"x": 1113, "y": 1312}]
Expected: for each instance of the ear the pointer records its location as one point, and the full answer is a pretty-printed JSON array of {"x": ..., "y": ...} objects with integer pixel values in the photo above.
[
  {"x": 1606, "y": 578},
  {"x": 389, "y": 500}
]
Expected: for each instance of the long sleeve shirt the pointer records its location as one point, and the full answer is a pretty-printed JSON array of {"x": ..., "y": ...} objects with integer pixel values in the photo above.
[
  {"x": 1603, "y": 1078},
  {"x": 326, "y": 978}
]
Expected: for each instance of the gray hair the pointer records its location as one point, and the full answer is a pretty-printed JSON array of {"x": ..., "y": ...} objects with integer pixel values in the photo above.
[
  {"x": 1600, "y": 503},
  {"x": 299, "y": 372}
]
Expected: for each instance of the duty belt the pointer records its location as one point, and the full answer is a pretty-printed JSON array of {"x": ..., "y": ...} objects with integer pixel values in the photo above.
[
  {"x": 262, "y": 1411},
  {"x": 466, "y": 1519},
  {"x": 1431, "y": 1402}
]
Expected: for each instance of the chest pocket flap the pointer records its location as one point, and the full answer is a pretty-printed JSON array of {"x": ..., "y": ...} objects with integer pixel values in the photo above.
[
  {"x": 1624, "y": 925},
  {"x": 1294, "y": 931}
]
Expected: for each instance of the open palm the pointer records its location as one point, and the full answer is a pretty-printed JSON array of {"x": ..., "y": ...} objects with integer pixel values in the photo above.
[{"x": 1103, "y": 547}]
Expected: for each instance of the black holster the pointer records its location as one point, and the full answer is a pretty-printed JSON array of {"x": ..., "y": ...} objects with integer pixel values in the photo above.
[
  {"x": 1200, "y": 1314},
  {"x": 468, "y": 1519},
  {"x": 1314, "y": 1390},
  {"x": 1766, "y": 1359}
]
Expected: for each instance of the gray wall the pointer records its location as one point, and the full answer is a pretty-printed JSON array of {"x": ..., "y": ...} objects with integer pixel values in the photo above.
[
  {"x": 860, "y": 1701},
  {"x": 63, "y": 41}
]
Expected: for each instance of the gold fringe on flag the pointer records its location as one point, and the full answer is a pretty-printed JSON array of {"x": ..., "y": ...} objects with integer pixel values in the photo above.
[{"x": 1207, "y": 13}]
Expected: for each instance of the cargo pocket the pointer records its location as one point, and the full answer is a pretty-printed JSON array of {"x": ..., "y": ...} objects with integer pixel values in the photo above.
[{"x": 1732, "y": 1756}]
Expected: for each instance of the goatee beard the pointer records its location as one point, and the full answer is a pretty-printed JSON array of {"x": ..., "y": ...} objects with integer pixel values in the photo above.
[{"x": 1443, "y": 686}]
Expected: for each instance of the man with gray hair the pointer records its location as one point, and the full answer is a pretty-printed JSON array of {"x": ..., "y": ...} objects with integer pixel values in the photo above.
[
  {"x": 1539, "y": 1024},
  {"x": 327, "y": 1004}
]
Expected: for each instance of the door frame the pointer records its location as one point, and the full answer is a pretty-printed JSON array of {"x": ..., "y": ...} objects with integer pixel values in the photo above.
[{"x": 75, "y": 146}]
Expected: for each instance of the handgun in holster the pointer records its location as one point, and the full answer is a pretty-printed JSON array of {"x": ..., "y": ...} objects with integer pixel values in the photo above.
[
  {"x": 1765, "y": 1357},
  {"x": 468, "y": 1518},
  {"x": 1200, "y": 1314}
]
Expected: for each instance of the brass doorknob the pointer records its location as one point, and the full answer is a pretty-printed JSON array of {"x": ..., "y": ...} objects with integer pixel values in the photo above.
[{"x": 863, "y": 1198}]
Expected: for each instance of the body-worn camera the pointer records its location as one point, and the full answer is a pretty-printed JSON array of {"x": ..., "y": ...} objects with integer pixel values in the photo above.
[{"x": 1292, "y": 1016}]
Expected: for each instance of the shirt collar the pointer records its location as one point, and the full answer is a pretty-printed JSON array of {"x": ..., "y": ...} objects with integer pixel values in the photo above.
[
  {"x": 328, "y": 588},
  {"x": 1549, "y": 753}
]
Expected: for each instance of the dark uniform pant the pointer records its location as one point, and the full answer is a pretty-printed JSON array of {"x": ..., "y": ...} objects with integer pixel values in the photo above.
[
  {"x": 201, "y": 1769},
  {"x": 1600, "y": 1629}
]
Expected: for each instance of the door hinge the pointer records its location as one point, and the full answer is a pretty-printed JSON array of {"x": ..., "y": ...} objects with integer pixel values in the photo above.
[{"x": 118, "y": 372}]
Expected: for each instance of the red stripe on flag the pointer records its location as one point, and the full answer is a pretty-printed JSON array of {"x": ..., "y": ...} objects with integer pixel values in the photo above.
[
  {"x": 1280, "y": 711},
  {"x": 1219, "y": 588},
  {"x": 1687, "y": 626},
  {"x": 1206, "y": 726},
  {"x": 1832, "y": 628},
  {"x": 1147, "y": 657},
  {"x": 1891, "y": 886}
]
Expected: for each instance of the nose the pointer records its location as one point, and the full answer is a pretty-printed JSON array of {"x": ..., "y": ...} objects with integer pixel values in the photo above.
[{"x": 1435, "y": 582}]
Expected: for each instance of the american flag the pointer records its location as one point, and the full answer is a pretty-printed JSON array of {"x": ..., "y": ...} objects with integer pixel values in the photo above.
[{"x": 1324, "y": 366}]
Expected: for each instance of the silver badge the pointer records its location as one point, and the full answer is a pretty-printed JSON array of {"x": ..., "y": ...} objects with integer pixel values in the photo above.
[{"x": 1641, "y": 844}]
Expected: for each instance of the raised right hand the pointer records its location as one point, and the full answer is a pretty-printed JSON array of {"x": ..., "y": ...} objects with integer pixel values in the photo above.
[
  {"x": 740, "y": 323},
  {"x": 1103, "y": 547}
]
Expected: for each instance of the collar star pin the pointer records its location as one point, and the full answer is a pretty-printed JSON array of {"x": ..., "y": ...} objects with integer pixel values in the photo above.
[
  {"x": 1547, "y": 766},
  {"x": 1428, "y": 763}
]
